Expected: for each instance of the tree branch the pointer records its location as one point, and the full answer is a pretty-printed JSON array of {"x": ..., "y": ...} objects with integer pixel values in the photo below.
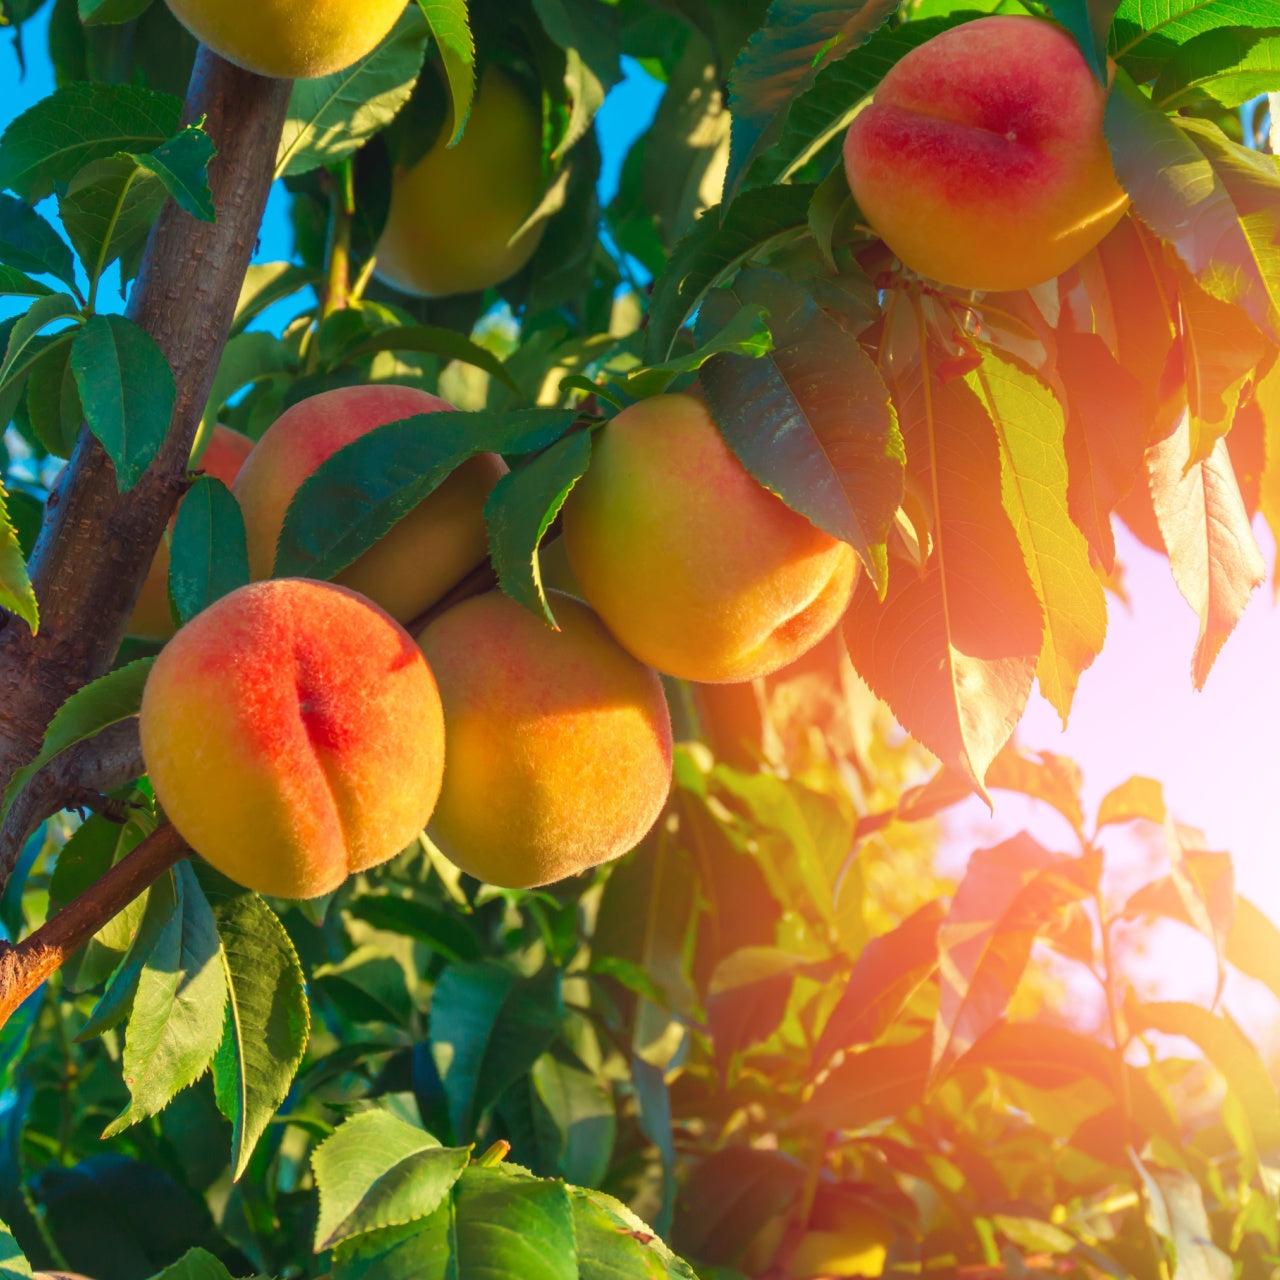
[
  {"x": 24, "y": 967},
  {"x": 96, "y": 544}
]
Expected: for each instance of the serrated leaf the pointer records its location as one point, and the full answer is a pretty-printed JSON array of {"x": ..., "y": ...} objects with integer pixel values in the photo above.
[
  {"x": 378, "y": 1171},
  {"x": 451, "y": 31},
  {"x": 79, "y": 123},
  {"x": 268, "y": 1018},
  {"x": 780, "y": 62},
  {"x": 209, "y": 552},
  {"x": 812, "y": 420},
  {"x": 100, "y": 704},
  {"x": 29, "y": 243},
  {"x": 522, "y": 507},
  {"x": 195, "y": 1264},
  {"x": 175, "y": 1022},
  {"x": 13, "y": 1264},
  {"x": 719, "y": 243},
  {"x": 127, "y": 390},
  {"x": 488, "y": 1026},
  {"x": 1230, "y": 65},
  {"x": 1030, "y": 424},
  {"x": 16, "y": 592},
  {"x": 613, "y": 1244},
  {"x": 587, "y": 33},
  {"x": 13, "y": 284},
  {"x": 1146, "y": 34},
  {"x": 952, "y": 650},
  {"x": 1212, "y": 551},
  {"x": 330, "y": 117},
  {"x": 1176, "y": 192},
  {"x": 24, "y": 347},
  {"x": 1010, "y": 895},
  {"x": 354, "y": 497}
]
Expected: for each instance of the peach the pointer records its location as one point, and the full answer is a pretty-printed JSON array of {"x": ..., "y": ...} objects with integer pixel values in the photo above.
[
  {"x": 436, "y": 545},
  {"x": 559, "y": 742},
  {"x": 981, "y": 161},
  {"x": 290, "y": 39},
  {"x": 696, "y": 568},
  {"x": 293, "y": 734},
  {"x": 222, "y": 459},
  {"x": 455, "y": 213}
]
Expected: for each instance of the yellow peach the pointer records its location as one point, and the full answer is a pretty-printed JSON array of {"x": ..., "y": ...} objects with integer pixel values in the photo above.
[
  {"x": 697, "y": 568},
  {"x": 981, "y": 161},
  {"x": 293, "y": 735},
  {"x": 559, "y": 742},
  {"x": 432, "y": 549}
]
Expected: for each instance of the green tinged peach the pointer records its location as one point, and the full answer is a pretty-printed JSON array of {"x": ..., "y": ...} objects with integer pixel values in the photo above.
[
  {"x": 698, "y": 569},
  {"x": 290, "y": 39},
  {"x": 436, "y": 545},
  {"x": 981, "y": 161},
  {"x": 455, "y": 213},
  {"x": 293, "y": 735},
  {"x": 559, "y": 742}
]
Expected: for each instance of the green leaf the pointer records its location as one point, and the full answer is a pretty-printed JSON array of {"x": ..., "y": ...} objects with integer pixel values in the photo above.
[
  {"x": 781, "y": 60},
  {"x": 1176, "y": 192},
  {"x": 266, "y": 283},
  {"x": 97, "y": 12},
  {"x": 13, "y": 284},
  {"x": 1089, "y": 22},
  {"x": 583, "y": 1124},
  {"x": 431, "y": 341},
  {"x": 79, "y": 123},
  {"x": 332, "y": 116},
  {"x": 812, "y": 421},
  {"x": 1230, "y": 64},
  {"x": 13, "y": 1264},
  {"x": 127, "y": 389},
  {"x": 1147, "y": 33},
  {"x": 1176, "y": 1213},
  {"x": 29, "y": 243},
  {"x": 613, "y": 1244},
  {"x": 209, "y": 553},
  {"x": 353, "y": 498},
  {"x": 16, "y": 592},
  {"x": 378, "y": 1171},
  {"x": 106, "y": 701},
  {"x": 588, "y": 34},
  {"x": 488, "y": 1026},
  {"x": 182, "y": 165},
  {"x": 522, "y": 507},
  {"x": 1030, "y": 424},
  {"x": 176, "y": 1021},
  {"x": 53, "y": 400},
  {"x": 247, "y": 359},
  {"x": 24, "y": 349},
  {"x": 195, "y": 1264},
  {"x": 451, "y": 31},
  {"x": 882, "y": 1081},
  {"x": 721, "y": 240},
  {"x": 442, "y": 931},
  {"x": 268, "y": 1018}
]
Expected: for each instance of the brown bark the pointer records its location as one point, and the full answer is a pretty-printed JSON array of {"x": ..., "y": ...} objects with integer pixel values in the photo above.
[
  {"x": 24, "y": 967},
  {"x": 96, "y": 543}
]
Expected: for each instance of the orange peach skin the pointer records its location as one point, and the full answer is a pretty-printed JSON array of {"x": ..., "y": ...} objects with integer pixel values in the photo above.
[
  {"x": 436, "y": 545},
  {"x": 697, "y": 569},
  {"x": 222, "y": 459},
  {"x": 293, "y": 734},
  {"x": 290, "y": 39},
  {"x": 981, "y": 162},
  {"x": 454, "y": 213},
  {"x": 559, "y": 742}
]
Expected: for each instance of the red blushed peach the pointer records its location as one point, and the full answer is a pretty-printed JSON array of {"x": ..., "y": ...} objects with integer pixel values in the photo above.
[
  {"x": 697, "y": 568},
  {"x": 432, "y": 549},
  {"x": 559, "y": 742},
  {"x": 981, "y": 161},
  {"x": 293, "y": 735},
  {"x": 290, "y": 39},
  {"x": 222, "y": 459}
]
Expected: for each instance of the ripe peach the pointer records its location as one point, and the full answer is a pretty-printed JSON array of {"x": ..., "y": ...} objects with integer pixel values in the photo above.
[
  {"x": 454, "y": 213},
  {"x": 559, "y": 742},
  {"x": 293, "y": 734},
  {"x": 981, "y": 161},
  {"x": 222, "y": 459},
  {"x": 436, "y": 545},
  {"x": 697, "y": 569},
  {"x": 290, "y": 39}
]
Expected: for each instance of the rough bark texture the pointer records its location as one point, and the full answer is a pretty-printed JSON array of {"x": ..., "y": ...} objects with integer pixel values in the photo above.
[
  {"x": 96, "y": 543},
  {"x": 24, "y": 967}
]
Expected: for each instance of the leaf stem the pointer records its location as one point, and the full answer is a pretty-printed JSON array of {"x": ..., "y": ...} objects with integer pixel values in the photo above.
[{"x": 342, "y": 207}]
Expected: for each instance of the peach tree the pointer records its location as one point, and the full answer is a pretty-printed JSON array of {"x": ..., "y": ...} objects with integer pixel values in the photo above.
[{"x": 878, "y": 292}]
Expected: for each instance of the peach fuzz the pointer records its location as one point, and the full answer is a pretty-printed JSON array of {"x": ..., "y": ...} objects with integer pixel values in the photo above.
[
  {"x": 293, "y": 734},
  {"x": 222, "y": 459},
  {"x": 290, "y": 39},
  {"x": 698, "y": 569},
  {"x": 559, "y": 743},
  {"x": 433, "y": 548},
  {"x": 981, "y": 161},
  {"x": 454, "y": 213}
]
